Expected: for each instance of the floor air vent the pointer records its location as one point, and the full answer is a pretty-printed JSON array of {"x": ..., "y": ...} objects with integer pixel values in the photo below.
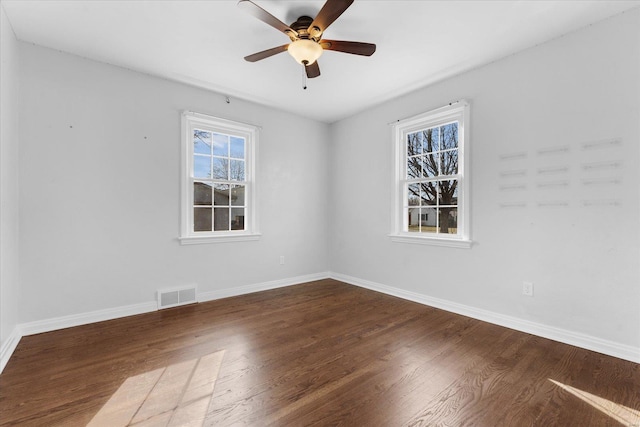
[{"x": 174, "y": 297}]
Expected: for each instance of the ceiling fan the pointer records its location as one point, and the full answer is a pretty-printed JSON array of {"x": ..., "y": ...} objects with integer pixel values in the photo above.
[{"x": 307, "y": 43}]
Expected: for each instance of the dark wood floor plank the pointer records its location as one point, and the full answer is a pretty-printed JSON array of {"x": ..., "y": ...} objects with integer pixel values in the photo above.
[{"x": 321, "y": 353}]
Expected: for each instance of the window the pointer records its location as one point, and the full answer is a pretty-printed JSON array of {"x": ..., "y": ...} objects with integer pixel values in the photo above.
[
  {"x": 431, "y": 190},
  {"x": 218, "y": 188}
]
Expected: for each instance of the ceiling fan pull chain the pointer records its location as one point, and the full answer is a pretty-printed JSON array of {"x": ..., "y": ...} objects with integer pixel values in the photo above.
[{"x": 304, "y": 77}]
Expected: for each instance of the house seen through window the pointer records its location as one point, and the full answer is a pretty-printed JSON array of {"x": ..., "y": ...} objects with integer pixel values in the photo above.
[
  {"x": 219, "y": 187},
  {"x": 218, "y": 181}
]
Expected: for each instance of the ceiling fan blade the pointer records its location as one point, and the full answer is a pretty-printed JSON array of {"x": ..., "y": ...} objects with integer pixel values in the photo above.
[
  {"x": 357, "y": 48},
  {"x": 312, "y": 70},
  {"x": 266, "y": 17},
  {"x": 329, "y": 13},
  {"x": 266, "y": 53}
]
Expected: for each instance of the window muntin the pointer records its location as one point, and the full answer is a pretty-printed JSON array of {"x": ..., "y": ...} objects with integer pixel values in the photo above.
[
  {"x": 431, "y": 190},
  {"x": 431, "y": 194},
  {"x": 219, "y": 186},
  {"x": 219, "y": 183}
]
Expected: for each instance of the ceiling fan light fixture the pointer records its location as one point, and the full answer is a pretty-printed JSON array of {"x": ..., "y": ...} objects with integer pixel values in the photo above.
[{"x": 306, "y": 52}]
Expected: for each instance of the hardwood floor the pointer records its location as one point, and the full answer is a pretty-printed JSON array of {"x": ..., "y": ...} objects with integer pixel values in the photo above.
[{"x": 320, "y": 353}]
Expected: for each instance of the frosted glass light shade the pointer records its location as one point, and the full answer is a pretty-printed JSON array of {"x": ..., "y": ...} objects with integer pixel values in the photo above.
[{"x": 305, "y": 50}]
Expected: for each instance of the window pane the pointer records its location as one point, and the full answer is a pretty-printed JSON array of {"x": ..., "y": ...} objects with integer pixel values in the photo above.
[
  {"x": 201, "y": 193},
  {"x": 221, "y": 219},
  {"x": 220, "y": 168},
  {"x": 430, "y": 165},
  {"x": 220, "y": 145},
  {"x": 448, "y": 192},
  {"x": 414, "y": 220},
  {"x": 237, "y": 147},
  {"x": 413, "y": 195},
  {"x": 429, "y": 153},
  {"x": 448, "y": 220},
  {"x": 413, "y": 144},
  {"x": 201, "y": 167},
  {"x": 449, "y": 162},
  {"x": 201, "y": 219},
  {"x": 237, "y": 170},
  {"x": 431, "y": 140},
  {"x": 428, "y": 193},
  {"x": 221, "y": 195},
  {"x": 237, "y": 195},
  {"x": 428, "y": 220},
  {"x": 220, "y": 176},
  {"x": 237, "y": 218},
  {"x": 201, "y": 142},
  {"x": 414, "y": 167},
  {"x": 449, "y": 136}
]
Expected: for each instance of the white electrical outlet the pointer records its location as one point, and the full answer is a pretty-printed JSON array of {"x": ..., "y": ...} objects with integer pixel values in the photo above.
[
  {"x": 281, "y": 259},
  {"x": 527, "y": 289}
]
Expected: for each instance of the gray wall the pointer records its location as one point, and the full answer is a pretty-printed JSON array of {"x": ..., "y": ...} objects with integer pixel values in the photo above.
[
  {"x": 9, "y": 60},
  {"x": 100, "y": 181},
  {"x": 569, "y": 224}
]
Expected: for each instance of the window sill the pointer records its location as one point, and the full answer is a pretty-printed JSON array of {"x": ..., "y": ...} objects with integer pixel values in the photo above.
[
  {"x": 200, "y": 240},
  {"x": 432, "y": 241}
]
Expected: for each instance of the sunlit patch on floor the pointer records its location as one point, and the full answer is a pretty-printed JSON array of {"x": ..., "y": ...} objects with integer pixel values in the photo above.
[
  {"x": 620, "y": 413},
  {"x": 177, "y": 395}
]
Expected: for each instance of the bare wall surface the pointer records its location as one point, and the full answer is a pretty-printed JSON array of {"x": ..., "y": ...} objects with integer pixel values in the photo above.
[
  {"x": 9, "y": 60},
  {"x": 554, "y": 180},
  {"x": 100, "y": 181}
]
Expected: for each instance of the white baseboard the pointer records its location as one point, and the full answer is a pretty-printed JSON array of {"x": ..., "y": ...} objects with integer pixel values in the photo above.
[
  {"x": 577, "y": 339},
  {"x": 48, "y": 325},
  {"x": 8, "y": 347},
  {"x": 70, "y": 321},
  {"x": 258, "y": 287},
  {"x": 562, "y": 335}
]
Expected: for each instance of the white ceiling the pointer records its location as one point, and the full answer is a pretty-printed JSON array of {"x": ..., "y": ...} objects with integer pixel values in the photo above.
[{"x": 203, "y": 43}]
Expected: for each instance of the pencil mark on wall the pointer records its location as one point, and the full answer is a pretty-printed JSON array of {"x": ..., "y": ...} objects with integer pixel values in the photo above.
[
  {"x": 605, "y": 143},
  {"x": 579, "y": 174},
  {"x": 612, "y": 181},
  {"x": 596, "y": 203},
  {"x": 514, "y": 156},
  {"x": 553, "y": 204},
  {"x": 601, "y": 165},
  {"x": 514, "y": 205},
  {"x": 513, "y": 187},
  {"x": 602, "y": 168},
  {"x": 554, "y": 184},
  {"x": 513, "y": 173},
  {"x": 513, "y": 179},
  {"x": 553, "y": 170},
  {"x": 553, "y": 150}
]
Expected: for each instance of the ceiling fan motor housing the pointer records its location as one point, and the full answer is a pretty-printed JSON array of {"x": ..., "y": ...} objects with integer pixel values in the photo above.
[{"x": 301, "y": 26}]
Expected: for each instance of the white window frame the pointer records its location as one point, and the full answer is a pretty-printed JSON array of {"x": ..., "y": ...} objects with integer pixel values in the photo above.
[
  {"x": 458, "y": 111},
  {"x": 190, "y": 122}
]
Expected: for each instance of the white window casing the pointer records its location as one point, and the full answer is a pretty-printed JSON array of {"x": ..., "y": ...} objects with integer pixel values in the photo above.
[
  {"x": 456, "y": 116},
  {"x": 247, "y": 228}
]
